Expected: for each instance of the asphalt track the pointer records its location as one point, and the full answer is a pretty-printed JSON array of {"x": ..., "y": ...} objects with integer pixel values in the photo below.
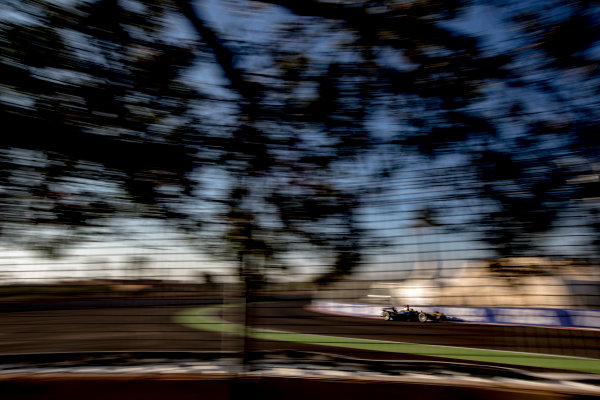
[
  {"x": 152, "y": 328},
  {"x": 292, "y": 317},
  {"x": 521, "y": 346}
]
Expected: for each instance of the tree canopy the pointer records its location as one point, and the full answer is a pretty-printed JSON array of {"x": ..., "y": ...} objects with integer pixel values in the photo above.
[{"x": 273, "y": 127}]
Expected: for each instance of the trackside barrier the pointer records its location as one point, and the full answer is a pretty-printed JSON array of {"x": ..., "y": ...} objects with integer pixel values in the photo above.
[{"x": 485, "y": 315}]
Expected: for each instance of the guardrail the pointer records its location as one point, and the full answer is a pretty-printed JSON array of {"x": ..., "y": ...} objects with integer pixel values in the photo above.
[{"x": 487, "y": 315}]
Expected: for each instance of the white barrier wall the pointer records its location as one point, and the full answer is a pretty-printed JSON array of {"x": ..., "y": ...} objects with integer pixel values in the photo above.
[{"x": 489, "y": 315}]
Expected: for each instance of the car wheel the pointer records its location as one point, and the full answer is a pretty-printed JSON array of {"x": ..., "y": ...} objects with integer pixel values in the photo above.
[
  {"x": 422, "y": 317},
  {"x": 387, "y": 316}
]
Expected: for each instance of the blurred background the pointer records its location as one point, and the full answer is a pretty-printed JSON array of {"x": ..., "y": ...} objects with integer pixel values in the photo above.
[{"x": 289, "y": 162}]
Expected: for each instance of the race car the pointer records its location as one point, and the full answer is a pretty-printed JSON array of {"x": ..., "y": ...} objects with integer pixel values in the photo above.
[{"x": 409, "y": 314}]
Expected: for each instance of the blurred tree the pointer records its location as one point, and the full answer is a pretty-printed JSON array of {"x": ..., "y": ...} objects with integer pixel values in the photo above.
[
  {"x": 96, "y": 119},
  {"x": 106, "y": 118},
  {"x": 206, "y": 278},
  {"x": 138, "y": 267}
]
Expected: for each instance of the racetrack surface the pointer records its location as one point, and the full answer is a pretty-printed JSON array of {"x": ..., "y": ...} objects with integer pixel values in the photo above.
[
  {"x": 103, "y": 329},
  {"x": 153, "y": 329},
  {"x": 566, "y": 342}
]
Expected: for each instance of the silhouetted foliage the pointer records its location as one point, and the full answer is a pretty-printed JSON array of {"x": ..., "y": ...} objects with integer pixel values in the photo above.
[{"x": 104, "y": 119}]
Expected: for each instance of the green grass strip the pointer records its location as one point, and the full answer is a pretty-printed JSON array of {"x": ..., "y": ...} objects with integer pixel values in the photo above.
[{"x": 204, "y": 319}]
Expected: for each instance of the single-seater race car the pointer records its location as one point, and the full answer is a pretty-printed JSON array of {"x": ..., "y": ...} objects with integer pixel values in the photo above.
[{"x": 408, "y": 314}]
